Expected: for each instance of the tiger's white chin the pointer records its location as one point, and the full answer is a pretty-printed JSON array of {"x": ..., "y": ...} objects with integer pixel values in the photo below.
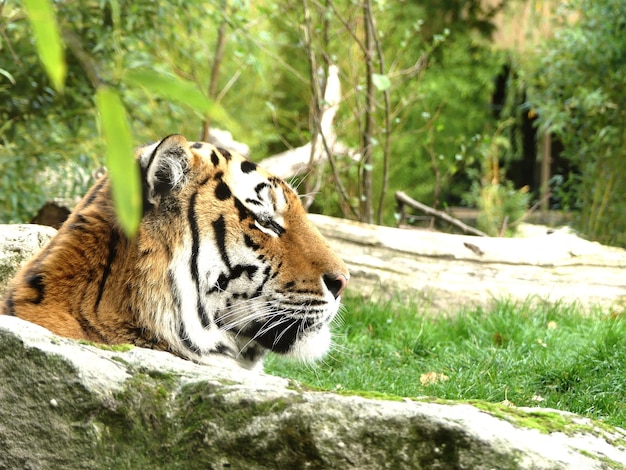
[{"x": 312, "y": 345}]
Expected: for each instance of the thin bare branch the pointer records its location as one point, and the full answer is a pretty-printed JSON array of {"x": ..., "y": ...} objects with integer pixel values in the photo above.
[
  {"x": 368, "y": 126},
  {"x": 3, "y": 33},
  {"x": 348, "y": 28},
  {"x": 417, "y": 68},
  {"x": 228, "y": 85},
  {"x": 402, "y": 198},
  {"x": 277, "y": 58},
  {"x": 338, "y": 184},
  {"x": 86, "y": 61},
  {"x": 387, "y": 129},
  {"x": 311, "y": 189}
]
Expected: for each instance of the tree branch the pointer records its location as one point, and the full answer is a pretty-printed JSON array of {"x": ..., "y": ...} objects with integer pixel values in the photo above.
[{"x": 402, "y": 198}]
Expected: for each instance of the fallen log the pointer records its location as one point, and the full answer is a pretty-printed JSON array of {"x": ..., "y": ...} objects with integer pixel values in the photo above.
[{"x": 443, "y": 272}]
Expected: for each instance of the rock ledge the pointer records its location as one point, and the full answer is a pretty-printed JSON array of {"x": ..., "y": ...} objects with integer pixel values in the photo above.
[{"x": 71, "y": 405}]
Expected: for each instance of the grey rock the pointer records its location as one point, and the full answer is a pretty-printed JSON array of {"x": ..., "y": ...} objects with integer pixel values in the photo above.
[
  {"x": 65, "y": 404},
  {"x": 18, "y": 243}
]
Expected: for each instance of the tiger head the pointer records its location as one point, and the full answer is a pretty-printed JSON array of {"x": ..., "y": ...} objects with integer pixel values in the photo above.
[{"x": 225, "y": 262}]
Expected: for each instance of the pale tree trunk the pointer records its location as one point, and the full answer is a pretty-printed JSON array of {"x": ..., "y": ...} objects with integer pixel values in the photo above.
[
  {"x": 323, "y": 147},
  {"x": 442, "y": 272}
]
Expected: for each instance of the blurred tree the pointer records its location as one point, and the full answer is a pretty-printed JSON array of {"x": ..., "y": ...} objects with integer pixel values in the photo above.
[
  {"x": 49, "y": 140},
  {"x": 578, "y": 91},
  {"x": 423, "y": 129},
  {"x": 39, "y": 125},
  {"x": 433, "y": 69}
]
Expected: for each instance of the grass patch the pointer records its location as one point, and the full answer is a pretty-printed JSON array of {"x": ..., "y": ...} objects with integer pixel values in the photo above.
[{"x": 531, "y": 353}]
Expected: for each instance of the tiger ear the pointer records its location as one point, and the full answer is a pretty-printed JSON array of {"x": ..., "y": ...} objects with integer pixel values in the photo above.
[{"x": 164, "y": 166}]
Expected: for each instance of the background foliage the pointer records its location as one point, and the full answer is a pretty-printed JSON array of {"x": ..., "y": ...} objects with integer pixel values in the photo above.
[
  {"x": 433, "y": 131},
  {"x": 578, "y": 90}
]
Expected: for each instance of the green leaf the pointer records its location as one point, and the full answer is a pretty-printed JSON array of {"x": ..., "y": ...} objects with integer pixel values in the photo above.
[
  {"x": 381, "y": 82},
  {"x": 47, "y": 40},
  {"x": 8, "y": 76},
  {"x": 177, "y": 89},
  {"x": 120, "y": 161}
]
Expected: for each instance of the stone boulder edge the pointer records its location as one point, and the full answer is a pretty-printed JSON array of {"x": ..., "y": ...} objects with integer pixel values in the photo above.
[
  {"x": 66, "y": 404},
  {"x": 18, "y": 243}
]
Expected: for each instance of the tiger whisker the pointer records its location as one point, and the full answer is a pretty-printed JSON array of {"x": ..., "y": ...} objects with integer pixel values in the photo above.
[
  {"x": 277, "y": 339},
  {"x": 269, "y": 323},
  {"x": 251, "y": 310},
  {"x": 292, "y": 180},
  {"x": 264, "y": 329},
  {"x": 247, "y": 319}
]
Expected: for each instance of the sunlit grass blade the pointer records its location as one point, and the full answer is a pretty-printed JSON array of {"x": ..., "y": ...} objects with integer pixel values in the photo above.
[
  {"x": 122, "y": 167},
  {"x": 179, "y": 90},
  {"x": 47, "y": 40}
]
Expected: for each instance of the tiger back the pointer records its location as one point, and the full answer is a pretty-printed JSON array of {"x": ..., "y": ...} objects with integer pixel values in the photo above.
[{"x": 225, "y": 263}]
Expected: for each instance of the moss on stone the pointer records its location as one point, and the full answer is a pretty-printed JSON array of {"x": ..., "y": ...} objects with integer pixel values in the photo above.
[
  {"x": 163, "y": 419},
  {"x": 211, "y": 413},
  {"x": 374, "y": 395},
  {"x": 547, "y": 421},
  {"x": 121, "y": 360},
  {"x": 544, "y": 421},
  {"x": 136, "y": 431},
  {"x": 48, "y": 404},
  {"x": 108, "y": 347},
  {"x": 155, "y": 422},
  {"x": 609, "y": 463}
]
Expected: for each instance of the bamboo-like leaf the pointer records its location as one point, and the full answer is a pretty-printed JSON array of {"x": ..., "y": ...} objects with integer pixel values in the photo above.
[
  {"x": 381, "y": 82},
  {"x": 178, "y": 90},
  {"x": 47, "y": 40},
  {"x": 121, "y": 164},
  {"x": 8, "y": 76}
]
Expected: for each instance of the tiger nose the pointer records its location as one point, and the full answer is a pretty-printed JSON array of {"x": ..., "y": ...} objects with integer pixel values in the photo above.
[{"x": 335, "y": 283}]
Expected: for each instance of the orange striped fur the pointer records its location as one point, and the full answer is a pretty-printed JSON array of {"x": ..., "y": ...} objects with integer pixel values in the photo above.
[{"x": 225, "y": 263}]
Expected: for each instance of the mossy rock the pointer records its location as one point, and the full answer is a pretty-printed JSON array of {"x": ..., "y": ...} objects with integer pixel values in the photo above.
[{"x": 73, "y": 405}]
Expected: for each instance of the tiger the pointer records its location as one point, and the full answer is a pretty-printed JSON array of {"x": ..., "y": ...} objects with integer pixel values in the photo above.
[{"x": 225, "y": 263}]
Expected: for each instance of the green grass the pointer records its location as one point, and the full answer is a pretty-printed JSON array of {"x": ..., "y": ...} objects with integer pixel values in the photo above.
[{"x": 531, "y": 354}]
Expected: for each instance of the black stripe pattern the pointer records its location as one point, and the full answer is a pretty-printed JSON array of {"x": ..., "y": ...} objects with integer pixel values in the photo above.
[
  {"x": 113, "y": 241},
  {"x": 193, "y": 261}
]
